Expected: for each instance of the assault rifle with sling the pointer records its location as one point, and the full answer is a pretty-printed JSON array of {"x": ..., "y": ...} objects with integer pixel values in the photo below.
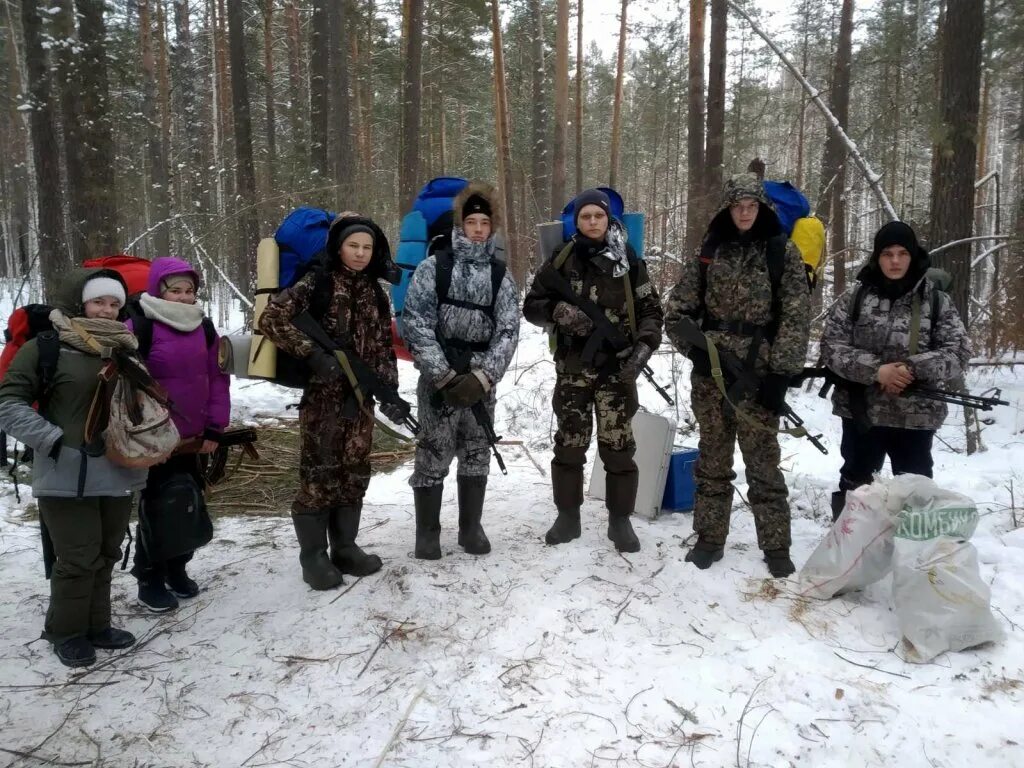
[
  {"x": 604, "y": 330},
  {"x": 364, "y": 380},
  {"x": 742, "y": 381},
  {"x": 460, "y": 363}
]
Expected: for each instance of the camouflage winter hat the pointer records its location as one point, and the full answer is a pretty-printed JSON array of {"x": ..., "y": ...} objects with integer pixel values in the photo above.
[{"x": 744, "y": 185}]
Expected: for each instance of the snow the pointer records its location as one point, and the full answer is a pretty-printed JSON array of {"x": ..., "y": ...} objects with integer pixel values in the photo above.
[{"x": 532, "y": 655}]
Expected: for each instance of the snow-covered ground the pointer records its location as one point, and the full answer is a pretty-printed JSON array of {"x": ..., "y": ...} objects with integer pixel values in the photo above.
[{"x": 532, "y": 655}]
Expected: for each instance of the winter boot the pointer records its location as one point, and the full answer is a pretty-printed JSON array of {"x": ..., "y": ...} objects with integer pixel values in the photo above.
[
  {"x": 838, "y": 503},
  {"x": 620, "y": 531},
  {"x": 311, "y": 530},
  {"x": 566, "y": 527},
  {"x": 346, "y": 555},
  {"x": 76, "y": 652},
  {"x": 471, "y": 508},
  {"x": 153, "y": 595},
  {"x": 428, "y": 521},
  {"x": 779, "y": 564},
  {"x": 704, "y": 553},
  {"x": 112, "y": 639},
  {"x": 179, "y": 582}
]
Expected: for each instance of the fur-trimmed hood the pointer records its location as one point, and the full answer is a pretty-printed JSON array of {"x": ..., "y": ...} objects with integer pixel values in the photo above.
[
  {"x": 381, "y": 266},
  {"x": 486, "y": 191}
]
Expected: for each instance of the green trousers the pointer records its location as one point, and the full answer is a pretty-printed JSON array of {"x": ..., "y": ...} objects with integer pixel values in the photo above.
[{"x": 87, "y": 535}]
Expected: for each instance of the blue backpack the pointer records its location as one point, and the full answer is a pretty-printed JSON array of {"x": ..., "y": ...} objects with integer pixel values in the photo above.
[
  {"x": 790, "y": 203},
  {"x": 633, "y": 222},
  {"x": 301, "y": 236},
  {"x": 430, "y": 219}
]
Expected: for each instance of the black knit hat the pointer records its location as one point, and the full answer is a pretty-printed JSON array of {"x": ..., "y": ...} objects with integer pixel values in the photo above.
[
  {"x": 476, "y": 204},
  {"x": 895, "y": 233},
  {"x": 590, "y": 197},
  {"x": 353, "y": 229}
]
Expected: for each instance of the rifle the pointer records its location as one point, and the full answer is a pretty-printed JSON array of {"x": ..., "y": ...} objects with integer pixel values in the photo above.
[
  {"x": 980, "y": 402},
  {"x": 216, "y": 468},
  {"x": 742, "y": 380},
  {"x": 459, "y": 363},
  {"x": 364, "y": 380},
  {"x": 553, "y": 280}
]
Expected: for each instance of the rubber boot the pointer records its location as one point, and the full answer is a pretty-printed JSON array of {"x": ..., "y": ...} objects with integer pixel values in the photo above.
[
  {"x": 838, "y": 503},
  {"x": 428, "y": 521},
  {"x": 347, "y": 556},
  {"x": 704, "y": 553},
  {"x": 779, "y": 564},
  {"x": 311, "y": 530},
  {"x": 471, "y": 508},
  {"x": 566, "y": 527},
  {"x": 620, "y": 531}
]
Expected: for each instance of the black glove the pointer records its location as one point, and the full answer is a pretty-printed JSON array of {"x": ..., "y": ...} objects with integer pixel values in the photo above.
[
  {"x": 323, "y": 365},
  {"x": 637, "y": 359},
  {"x": 395, "y": 412},
  {"x": 701, "y": 361},
  {"x": 772, "y": 393},
  {"x": 464, "y": 391},
  {"x": 572, "y": 320}
]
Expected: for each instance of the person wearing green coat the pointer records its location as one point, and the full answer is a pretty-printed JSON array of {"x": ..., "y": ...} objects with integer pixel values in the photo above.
[{"x": 84, "y": 499}]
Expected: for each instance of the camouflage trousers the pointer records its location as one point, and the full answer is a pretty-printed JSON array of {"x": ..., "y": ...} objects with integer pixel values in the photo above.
[
  {"x": 578, "y": 396},
  {"x": 334, "y": 464},
  {"x": 446, "y": 433},
  {"x": 719, "y": 432}
]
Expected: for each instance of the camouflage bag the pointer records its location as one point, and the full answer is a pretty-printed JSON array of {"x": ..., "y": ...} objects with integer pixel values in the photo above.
[{"x": 139, "y": 431}]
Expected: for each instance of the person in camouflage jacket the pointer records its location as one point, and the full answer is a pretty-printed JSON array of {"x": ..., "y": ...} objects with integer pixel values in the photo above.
[
  {"x": 600, "y": 267},
  {"x": 727, "y": 288},
  {"x": 334, "y": 467},
  {"x": 870, "y": 347},
  {"x": 462, "y": 344}
]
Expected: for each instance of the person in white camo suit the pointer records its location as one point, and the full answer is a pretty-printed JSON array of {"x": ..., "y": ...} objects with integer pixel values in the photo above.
[
  {"x": 867, "y": 341},
  {"x": 479, "y": 325}
]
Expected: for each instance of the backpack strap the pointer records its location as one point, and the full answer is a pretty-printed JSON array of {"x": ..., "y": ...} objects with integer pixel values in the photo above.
[
  {"x": 48, "y": 345},
  {"x": 858, "y": 302},
  {"x": 209, "y": 331},
  {"x": 143, "y": 329}
]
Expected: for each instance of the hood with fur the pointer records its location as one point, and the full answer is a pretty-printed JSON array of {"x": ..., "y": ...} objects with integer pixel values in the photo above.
[
  {"x": 486, "y": 191},
  {"x": 381, "y": 266}
]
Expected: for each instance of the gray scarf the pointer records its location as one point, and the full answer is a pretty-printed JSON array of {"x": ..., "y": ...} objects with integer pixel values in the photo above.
[
  {"x": 180, "y": 317},
  {"x": 466, "y": 249}
]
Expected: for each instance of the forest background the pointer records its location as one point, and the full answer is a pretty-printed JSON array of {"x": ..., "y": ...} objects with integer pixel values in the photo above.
[{"x": 193, "y": 126}]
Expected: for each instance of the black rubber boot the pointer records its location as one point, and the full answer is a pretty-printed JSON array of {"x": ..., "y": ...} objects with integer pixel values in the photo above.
[
  {"x": 112, "y": 639},
  {"x": 779, "y": 564},
  {"x": 471, "y": 509},
  {"x": 76, "y": 652},
  {"x": 838, "y": 502},
  {"x": 311, "y": 530},
  {"x": 620, "y": 531},
  {"x": 704, "y": 553},
  {"x": 428, "y": 521},
  {"x": 347, "y": 556},
  {"x": 565, "y": 529}
]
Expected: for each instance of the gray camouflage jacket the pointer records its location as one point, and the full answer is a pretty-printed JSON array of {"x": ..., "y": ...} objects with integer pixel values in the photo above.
[
  {"x": 882, "y": 335},
  {"x": 423, "y": 321}
]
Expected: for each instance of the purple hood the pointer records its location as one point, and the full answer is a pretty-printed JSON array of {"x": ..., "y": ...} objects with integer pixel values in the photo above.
[{"x": 166, "y": 266}]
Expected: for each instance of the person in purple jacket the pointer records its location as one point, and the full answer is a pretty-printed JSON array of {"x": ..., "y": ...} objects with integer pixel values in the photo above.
[{"x": 179, "y": 345}]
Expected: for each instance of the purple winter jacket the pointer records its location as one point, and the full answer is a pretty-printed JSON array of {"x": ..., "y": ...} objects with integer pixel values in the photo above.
[{"x": 186, "y": 368}]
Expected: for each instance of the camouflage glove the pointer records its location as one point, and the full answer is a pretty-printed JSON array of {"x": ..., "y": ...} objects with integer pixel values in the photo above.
[
  {"x": 395, "y": 412},
  {"x": 772, "y": 393},
  {"x": 637, "y": 359},
  {"x": 464, "y": 391},
  {"x": 324, "y": 366},
  {"x": 572, "y": 320}
]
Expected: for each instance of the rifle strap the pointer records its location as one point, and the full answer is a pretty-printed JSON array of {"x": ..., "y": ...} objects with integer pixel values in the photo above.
[
  {"x": 559, "y": 261},
  {"x": 915, "y": 323},
  {"x": 719, "y": 377},
  {"x": 346, "y": 366}
]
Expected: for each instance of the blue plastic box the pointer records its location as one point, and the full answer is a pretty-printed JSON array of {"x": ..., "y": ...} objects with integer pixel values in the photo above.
[{"x": 679, "y": 485}]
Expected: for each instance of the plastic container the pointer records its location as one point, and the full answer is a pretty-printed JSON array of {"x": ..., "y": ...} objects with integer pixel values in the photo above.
[{"x": 680, "y": 488}]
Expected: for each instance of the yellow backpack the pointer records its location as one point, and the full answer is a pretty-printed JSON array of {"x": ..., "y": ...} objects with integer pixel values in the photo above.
[{"x": 809, "y": 237}]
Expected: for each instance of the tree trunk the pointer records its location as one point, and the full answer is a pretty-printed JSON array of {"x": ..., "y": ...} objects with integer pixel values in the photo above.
[
  {"x": 412, "y": 100},
  {"x": 297, "y": 102},
  {"x": 164, "y": 100},
  {"x": 955, "y": 153},
  {"x": 319, "y": 69},
  {"x": 245, "y": 172},
  {"x": 341, "y": 125},
  {"x": 70, "y": 88},
  {"x": 561, "y": 108},
  {"x": 503, "y": 124},
  {"x": 53, "y": 260},
  {"x": 831, "y": 198},
  {"x": 579, "y": 95},
  {"x": 268, "y": 71},
  {"x": 194, "y": 194},
  {"x": 539, "y": 156},
  {"x": 695, "y": 127},
  {"x": 714, "y": 157},
  {"x": 158, "y": 192},
  {"x": 620, "y": 66}
]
